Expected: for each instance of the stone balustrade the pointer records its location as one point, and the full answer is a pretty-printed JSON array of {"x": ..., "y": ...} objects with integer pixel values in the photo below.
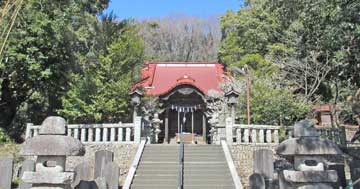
[
  {"x": 256, "y": 134},
  {"x": 98, "y": 133}
]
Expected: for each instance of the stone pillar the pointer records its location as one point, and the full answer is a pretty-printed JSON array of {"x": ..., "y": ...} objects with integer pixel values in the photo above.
[
  {"x": 112, "y": 134},
  {"x": 204, "y": 127},
  {"x": 137, "y": 130},
  {"x": 6, "y": 166},
  {"x": 127, "y": 134},
  {"x": 263, "y": 165},
  {"x": 261, "y": 135},
  {"x": 229, "y": 131},
  {"x": 238, "y": 135},
  {"x": 83, "y": 134},
  {"x": 276, "y": 136},
  {"x": 105, "y": 134},
  {"x": 28, "y": 130},
  {"x": 233, "y": 113},
  {"x": 246, "y": 135},
  {"x": 166, "y": 140},
  {"x": 112, "y": 175},
  {"x": 91, "y": 135},
  {"x": 97, "y": 134},
  {"x": 102, "y": 157},
  {"x": 76, "y": 133},
  {"x": 120, "y": 134},
  {"x": 253, "y": 136},
  {"x": 178, "y": 121},
  {"x": 268, "y": 136},
  {"x": 192, "y": 127}
]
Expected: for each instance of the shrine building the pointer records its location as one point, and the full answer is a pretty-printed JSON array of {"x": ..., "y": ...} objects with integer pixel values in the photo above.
[{"x": 182, "y": 89}]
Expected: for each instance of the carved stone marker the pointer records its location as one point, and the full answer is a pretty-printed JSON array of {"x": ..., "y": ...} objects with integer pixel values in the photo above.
[
  {"x": 82, "y": 173},
  {"x": 6, "y": 165},
  {"x": 51, "y": 147},
  {"x": 263, "y": 165},
  {"x": 102, "y": 157},
  {"x": 27, "y": 165},
  {"x": 256, "y": 181},
  {"x": 112, "y": 175}
]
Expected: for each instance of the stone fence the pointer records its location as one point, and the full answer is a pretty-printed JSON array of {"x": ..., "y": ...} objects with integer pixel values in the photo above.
[
  {"x": 270, "y": 134},
  {"x": 99, "y": 133}
]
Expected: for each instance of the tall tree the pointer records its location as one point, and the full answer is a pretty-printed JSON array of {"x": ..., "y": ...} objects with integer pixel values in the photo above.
[
  {"x": 181, "y": 38},
  {"x": 100, "y": 92},
  {"x": 41, "y": 51}
]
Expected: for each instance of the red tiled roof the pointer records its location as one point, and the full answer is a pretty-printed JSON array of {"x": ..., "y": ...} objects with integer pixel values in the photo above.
[{"x": 159, "y": 78}]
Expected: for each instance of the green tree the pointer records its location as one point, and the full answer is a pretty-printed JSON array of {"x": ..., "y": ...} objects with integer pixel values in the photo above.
[
  {"x": 100, "y": 93},
  {"x": 41, "y": 52}
]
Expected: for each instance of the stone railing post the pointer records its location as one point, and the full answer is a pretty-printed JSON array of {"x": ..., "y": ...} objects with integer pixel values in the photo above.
[
  {"x": 261, "y": 135},
  {"x": 76, "y": 133},
  {"x": 228, "y": 131},
  {"x": 276, "y": 136},
  {"x": 246, "y": 135},
  {"x": 83, "y": 134},
  {"x": 97, "y": 134},
  {"x": 127, "y": 134},
  {"x": 137, "y": 130},
  {"x": 253, "y": 136},
  {"x": 268, "y": 136},
  {"x": 120, "y": 133},
  {"x": 112, "y": 134},
  {"x": 238, "y": 135},
  {"x": 28, "y": 130},
  {"x": 91, "y": 135},
  {"x": 105, "y": 134}
]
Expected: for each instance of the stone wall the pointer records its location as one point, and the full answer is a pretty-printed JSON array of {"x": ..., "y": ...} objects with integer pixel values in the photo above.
[
  {"x": 123, "y": 156},
  {"x": 242, "y": 155}
]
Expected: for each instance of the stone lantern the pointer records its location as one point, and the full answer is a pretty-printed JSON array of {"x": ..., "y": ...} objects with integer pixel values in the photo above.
[
  {"x": 51, "y": 147},
  {"x": 156, "y": 124},
  {"x": 232, "y": 99},
  {"x": 136, "y": 96},
  {"x": 307, "y": 152}
]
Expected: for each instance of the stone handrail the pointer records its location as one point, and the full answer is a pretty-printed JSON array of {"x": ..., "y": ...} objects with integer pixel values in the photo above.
[
  {"x": 231, "y": 165},
  {"x": 134, "y": 165},
  {"x": 98, "y": 133},
  {"x": 256, "y": 134}
]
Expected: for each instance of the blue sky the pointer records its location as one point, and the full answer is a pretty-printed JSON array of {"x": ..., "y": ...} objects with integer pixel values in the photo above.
[{"x": 142, "y": 9}]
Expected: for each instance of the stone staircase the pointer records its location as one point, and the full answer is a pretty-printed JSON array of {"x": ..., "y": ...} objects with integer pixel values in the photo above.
[
  {"x": 205, "y": 167},
  {"x": 158, "y": 167}
]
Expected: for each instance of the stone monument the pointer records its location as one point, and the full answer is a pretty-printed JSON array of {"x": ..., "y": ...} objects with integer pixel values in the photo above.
[
  {"x": 51, "y": 147},
  {"x": 307, "y": 152}
]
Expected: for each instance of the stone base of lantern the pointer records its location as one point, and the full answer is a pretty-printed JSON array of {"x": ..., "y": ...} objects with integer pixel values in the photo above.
[
  {"x": 52, "y": 179},
  {"x": 307, "y": 179}
]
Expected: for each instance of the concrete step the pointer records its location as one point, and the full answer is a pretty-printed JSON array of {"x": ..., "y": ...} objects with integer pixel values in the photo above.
[
  {"x": 139, "y": 186},
  {"x": 220, "y": 186},
  {"x": 146, "y": 186},
  {"x": 169, "y": 181},
  {"x": 186, "y": 176},
  {"x": 204, "y": 167}
]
